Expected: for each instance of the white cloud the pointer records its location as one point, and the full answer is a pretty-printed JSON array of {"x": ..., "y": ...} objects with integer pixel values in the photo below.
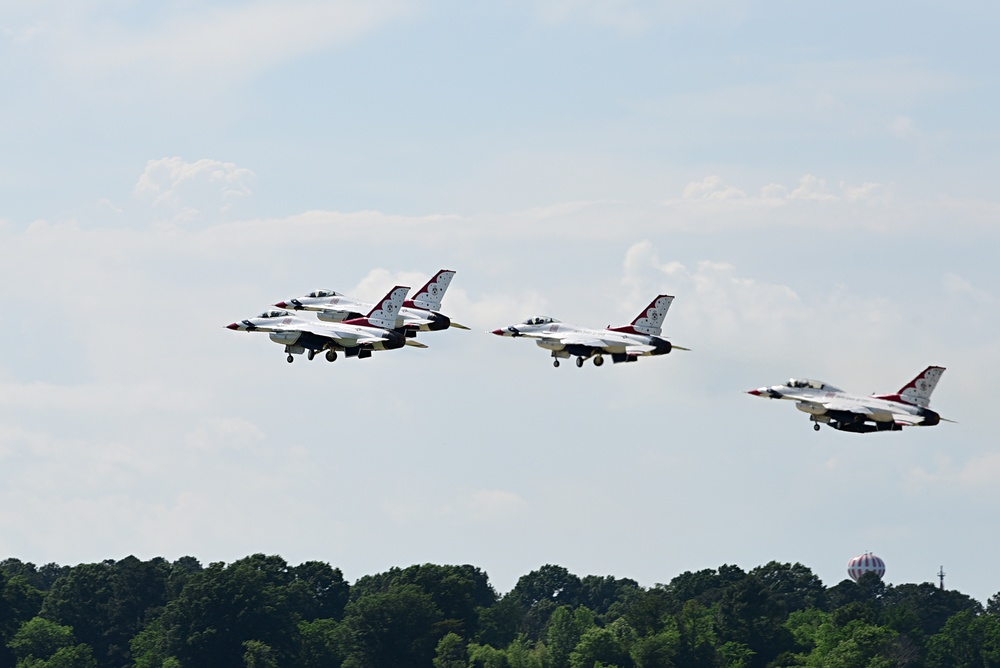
[
  {"x": 189, "y": 188},
  {"x": 633, "y": 16},
  {"x": 223, "y": 41},
  {"x": 711, "y": 187},
  {"x": 490, "y": 504},
  {"x": 961, "y": 286},
  {"x": 978, "y": 472},
  {"x": 621, "y": 15},
  {"x": 231, "y": 432}
]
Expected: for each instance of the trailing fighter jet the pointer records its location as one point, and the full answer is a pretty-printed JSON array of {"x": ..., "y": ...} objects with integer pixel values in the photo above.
[
  {"x": 418, "y": 314},
  {"x": 881, "y": 412},
  {"x": 625, "y": 344},
  {"x": 356, "y": 337}
]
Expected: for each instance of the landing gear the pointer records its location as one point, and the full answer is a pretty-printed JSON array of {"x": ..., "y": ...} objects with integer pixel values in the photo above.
[
  {"x": 311, "y": 354},
  {"x": 598, "y": 361},
  {"x": 816, "y": 427},
  {"x": 290, "y": 359},
  {"x": 579, "y": 361},
  {"x": 331, "y": 355},
  {"x": 555, "y": 363}
]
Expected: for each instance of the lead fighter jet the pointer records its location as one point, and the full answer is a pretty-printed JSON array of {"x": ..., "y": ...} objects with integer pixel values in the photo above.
[
  {"x": 422, "y": 313},
  {"x": 846, "y": 412},
  {"x": 625, "y": 344},
  {"x": 356, "y": 337}
]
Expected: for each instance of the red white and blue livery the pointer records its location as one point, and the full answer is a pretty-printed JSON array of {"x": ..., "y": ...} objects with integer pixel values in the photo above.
[
  {"x": 422, "y": 313},
  {"x": 909, "y": 407},
  {"x": 356, "y": 337},
  {"x": 624, "y": 344}
]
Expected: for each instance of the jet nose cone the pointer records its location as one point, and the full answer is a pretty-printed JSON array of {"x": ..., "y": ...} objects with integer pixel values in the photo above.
[
  {"x": 755, "y": 393},
  {"x": 282, "y": 304},
  {"x": 498, "y": 332},
  {"x": 232, "y": 326}
]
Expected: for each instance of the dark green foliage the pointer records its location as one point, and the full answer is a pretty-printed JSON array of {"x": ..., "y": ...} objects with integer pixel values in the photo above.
[
  {"x": 41, "y": 643},
  {"x": 601, "y": 594},
  {"x": 457, "y": 591},
  {"x": 319, "y": 591},
  {"x": 931, "y": 606},
  {"x": 566, "y": 628},
  {"x": 262, "y": 612},
  {"x": 549, "y": 583},
  {"x": 704, "y": 586},
  {"x": 319, "y": 644},
  {"x": 107, "y": 604},
  {"x": 451, "y": 652},
  {"x": 796, "y": 586},
  {"x": 221, "y": 608},
  {"x": 397, "y": 627},
  {"x": 749, "y": 615},
  {"x": 39, "y": 578}
]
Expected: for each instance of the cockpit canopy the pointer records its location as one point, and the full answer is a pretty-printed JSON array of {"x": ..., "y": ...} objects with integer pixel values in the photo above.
[
  {"x": 323, "y": 293},
  {"x": 811, "y": 384},
  {"x": 274, "y": 314},
  {"x": 539, "y": 320}
]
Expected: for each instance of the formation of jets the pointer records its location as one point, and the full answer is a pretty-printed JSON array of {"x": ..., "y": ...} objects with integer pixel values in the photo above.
[
  {"x": 351, "y": 326},
  {"x": 357, "y": 329}
]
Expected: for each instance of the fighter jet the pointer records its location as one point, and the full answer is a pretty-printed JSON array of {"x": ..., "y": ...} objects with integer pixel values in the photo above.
[
  {"x": 881, "y": 412},
  {"x": 625, "y": 344},
  {"x": 422, "y": 313},
  {"x": 356, "y": 337}
]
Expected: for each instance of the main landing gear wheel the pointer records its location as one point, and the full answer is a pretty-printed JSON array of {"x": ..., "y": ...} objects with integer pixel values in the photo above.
[
  {"x": 816, "y": 427},
  {"x": 311, "y": 354},
  {"x": 598, "y": 361},
  {"x": 555, "y": 363},
  {"x": 290, "y": 359},
  {"x": 579, "y": 361},
  {"x": 331, "y": 355}
]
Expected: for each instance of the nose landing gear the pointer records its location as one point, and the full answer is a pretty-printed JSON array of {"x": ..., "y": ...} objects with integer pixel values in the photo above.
[{"x": 290, "y": 359}]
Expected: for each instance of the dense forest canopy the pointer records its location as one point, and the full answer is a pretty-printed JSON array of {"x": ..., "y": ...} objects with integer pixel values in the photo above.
[{"x": 261, "y": 612}]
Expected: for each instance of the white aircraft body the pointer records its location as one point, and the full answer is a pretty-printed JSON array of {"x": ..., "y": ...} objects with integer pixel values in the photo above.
[
  {"x": 881, "y": 412},
  {"x": 624, "y": 344},
  {"x": 422, "y": 313},
  {"x": 356, "y": 337}
]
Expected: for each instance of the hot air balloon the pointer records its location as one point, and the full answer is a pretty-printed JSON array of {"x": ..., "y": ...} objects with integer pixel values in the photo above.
[{"x": 865, "y": 563}]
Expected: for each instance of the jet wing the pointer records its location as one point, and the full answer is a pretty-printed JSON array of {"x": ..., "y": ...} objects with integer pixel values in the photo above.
[
  {"x": 575, "y": 340},
  {"x": 330, "y": 331},
  {"x": 867, "y": 412}
]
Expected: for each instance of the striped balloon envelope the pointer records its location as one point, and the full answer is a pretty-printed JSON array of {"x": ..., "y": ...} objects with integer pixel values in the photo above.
[{"x": 865, "y": 563}]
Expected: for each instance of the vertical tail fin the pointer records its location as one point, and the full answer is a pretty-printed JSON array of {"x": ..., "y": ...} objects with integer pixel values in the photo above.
[
  {"x": 650, "y": 321},
  {"x": 386, "y": 309},
  {"x": 918, "y": 391},
  {"x": 429, "y": 297}
]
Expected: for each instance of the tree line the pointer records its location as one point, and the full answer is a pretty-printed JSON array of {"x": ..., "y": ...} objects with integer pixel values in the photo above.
[{"x": 261, "y": 612}]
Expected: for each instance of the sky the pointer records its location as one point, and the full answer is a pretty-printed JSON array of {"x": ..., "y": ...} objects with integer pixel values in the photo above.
[{"x": 815, "y": 185}]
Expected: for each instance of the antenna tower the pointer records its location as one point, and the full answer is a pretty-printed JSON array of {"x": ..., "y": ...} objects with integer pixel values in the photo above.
[{"x": 941, "y": 577}]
